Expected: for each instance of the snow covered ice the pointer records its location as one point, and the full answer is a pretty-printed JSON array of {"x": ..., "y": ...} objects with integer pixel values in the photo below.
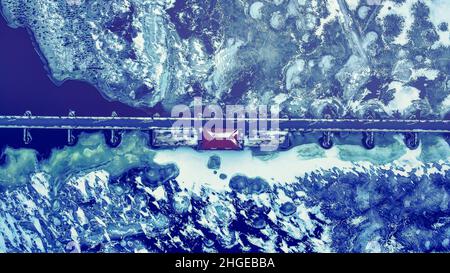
[
  {"x": 351, "y": 56},
  {"x": 344, "y": 58}
]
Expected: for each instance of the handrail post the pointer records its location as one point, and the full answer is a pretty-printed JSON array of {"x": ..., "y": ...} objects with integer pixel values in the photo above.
[
  {"x": 368, "y": 139},
  {"x": 412, "y": 140},
  {"x": 27, "y": 138},
  {"x": 115, "y": 138},
  {"x": 326, "y": 141},
  {"x": 71, "y": 138}
]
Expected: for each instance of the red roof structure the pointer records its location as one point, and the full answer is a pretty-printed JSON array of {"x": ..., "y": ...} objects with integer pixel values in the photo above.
[{"x": 226, "y": 140}]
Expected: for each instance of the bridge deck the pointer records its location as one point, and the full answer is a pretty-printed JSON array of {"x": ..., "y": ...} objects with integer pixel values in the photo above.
[{"x": 148, "y": 123}]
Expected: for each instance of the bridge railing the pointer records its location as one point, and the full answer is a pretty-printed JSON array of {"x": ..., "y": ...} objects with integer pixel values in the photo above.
[{"x": 328, "y": 126}]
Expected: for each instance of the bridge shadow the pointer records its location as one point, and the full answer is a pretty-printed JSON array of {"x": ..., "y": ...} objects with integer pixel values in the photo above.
[{"x": 25, "y": 85}]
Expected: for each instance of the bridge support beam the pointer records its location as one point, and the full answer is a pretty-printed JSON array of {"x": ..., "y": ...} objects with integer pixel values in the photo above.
[
  {"x": 71, "y": 138},
  {"x": 326, "y": 141},
  {"x": 369, "y": 140},
  {"x": 412, "y": 140},
  {"x": 115, "y": 136},
  {"x": 27, "y": 138}
]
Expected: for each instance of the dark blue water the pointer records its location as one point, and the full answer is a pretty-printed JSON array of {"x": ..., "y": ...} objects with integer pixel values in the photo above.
[{"x": 25, "y": 85}]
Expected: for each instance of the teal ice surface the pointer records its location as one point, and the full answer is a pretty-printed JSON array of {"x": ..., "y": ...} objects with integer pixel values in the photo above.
[{"x": 94, "y": 198}]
